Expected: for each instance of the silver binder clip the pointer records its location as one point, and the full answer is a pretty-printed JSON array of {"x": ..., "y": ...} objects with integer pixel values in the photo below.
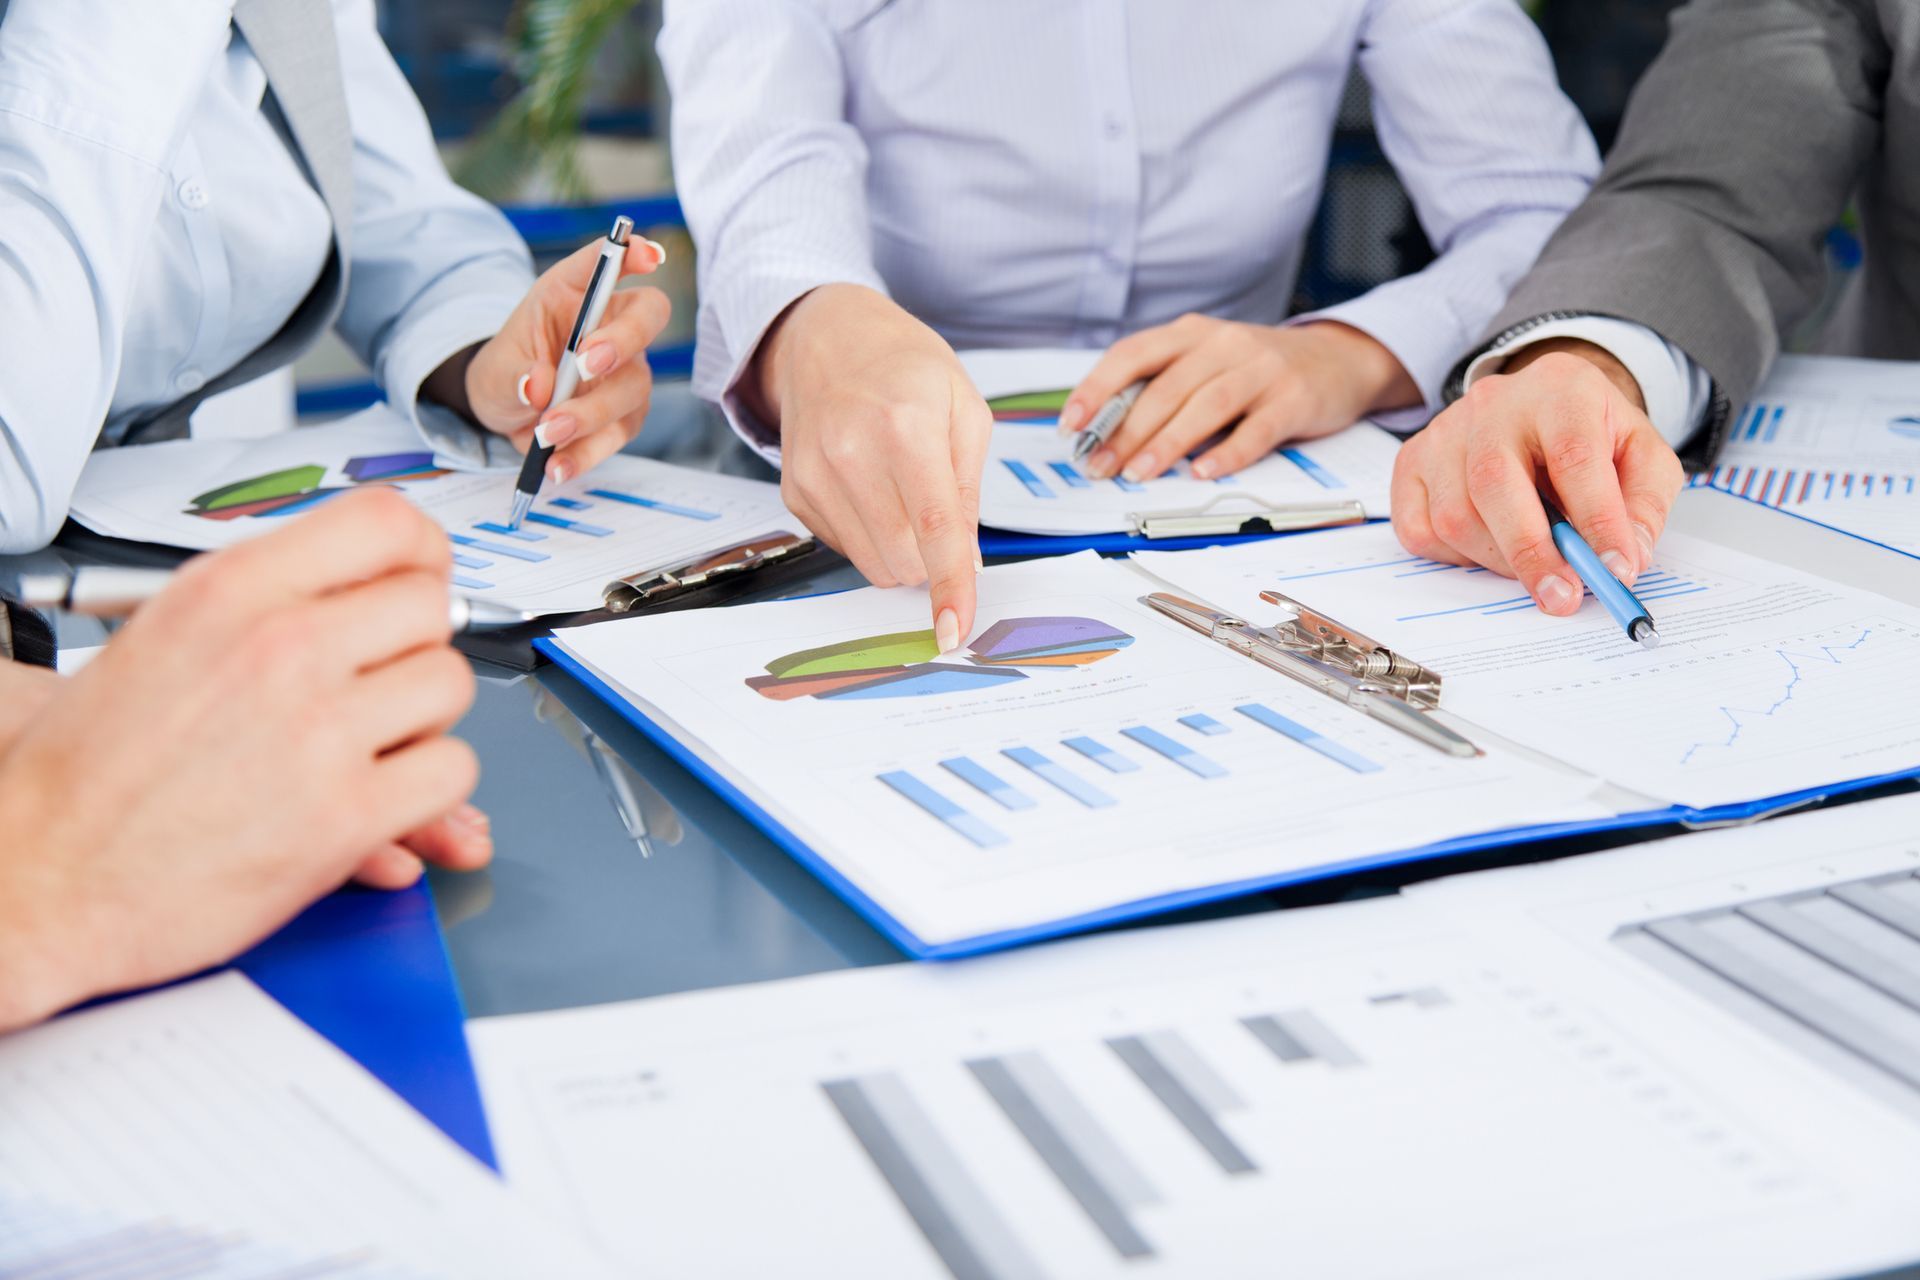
[
  {"x": 1232, "y": 513},
  {"x": 1338, "y": 661},
  {"x": 624, "y": 594}
]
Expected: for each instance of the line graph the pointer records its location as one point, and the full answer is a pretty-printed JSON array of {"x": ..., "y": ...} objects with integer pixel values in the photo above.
[{"x": 1739, "y": 717}]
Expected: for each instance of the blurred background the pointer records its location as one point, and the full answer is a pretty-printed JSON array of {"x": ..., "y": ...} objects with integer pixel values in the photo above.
[{"x": 556, "y": 109}]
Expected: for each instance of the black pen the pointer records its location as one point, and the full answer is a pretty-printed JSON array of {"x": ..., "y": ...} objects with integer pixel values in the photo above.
[{"x": 567, "y": 379}]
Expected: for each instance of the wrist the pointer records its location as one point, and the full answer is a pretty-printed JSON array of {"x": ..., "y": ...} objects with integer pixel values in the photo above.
[
  {"x": 34, "y": 983},
  {"x": 1594, "y": 354},
  {"x": 785, "y": 345},
  {"x": 1370, "y": 377},
  {"x": 451, "y": 383}
]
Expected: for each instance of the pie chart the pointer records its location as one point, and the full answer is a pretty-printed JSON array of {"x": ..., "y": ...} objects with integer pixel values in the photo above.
[{"x": 908, "y": 664}]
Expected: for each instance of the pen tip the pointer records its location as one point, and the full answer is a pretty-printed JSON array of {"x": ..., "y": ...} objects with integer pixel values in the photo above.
[{"x": 1643, "y": 632}]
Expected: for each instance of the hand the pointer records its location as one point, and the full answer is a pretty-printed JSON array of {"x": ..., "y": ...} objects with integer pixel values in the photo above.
[
  {"x": 509, "y": 380},
  {"x": 1467, "y": 489},
  {"x": 882, "y": 440},
  {"x": 266, "y": 726},
  {"x": 24, "y": 693},
  {"x": 1207, "y": 375}
]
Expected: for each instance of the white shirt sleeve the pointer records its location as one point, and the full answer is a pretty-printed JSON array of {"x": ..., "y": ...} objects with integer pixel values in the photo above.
[
  {"x": 435, "y": 268},
  {"x": 91, "y": 114},
  {"x": 770, "y": 173},
  {"x": 1678, "y": 392},
  {"x": 1493, "y": 156}
]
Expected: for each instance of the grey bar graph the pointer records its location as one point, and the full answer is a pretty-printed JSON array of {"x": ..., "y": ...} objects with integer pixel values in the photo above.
[
  {"x": 1086, "y": 1160},
  {"x": 1189, "y": 1089},
  {"x": 948, "y": 1206},
  {"x": 1833, "y": 973},
  {"x": 1297, "y": 1035}
]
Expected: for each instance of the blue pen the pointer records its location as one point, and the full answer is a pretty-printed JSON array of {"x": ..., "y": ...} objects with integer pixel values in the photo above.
[{"x": 1609, "y": 590}]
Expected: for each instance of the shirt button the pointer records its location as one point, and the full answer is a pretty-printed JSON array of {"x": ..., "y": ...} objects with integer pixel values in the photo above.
[
  {"x": 194, "y": 194},
  {"x": 1116, "y": 128},
  {"x": 188, "y": 381},
  {"x": 1112, "y": 261}
]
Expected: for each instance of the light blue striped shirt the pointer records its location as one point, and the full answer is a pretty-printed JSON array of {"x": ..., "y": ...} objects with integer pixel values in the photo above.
[{"x": 1063, "y": 172}]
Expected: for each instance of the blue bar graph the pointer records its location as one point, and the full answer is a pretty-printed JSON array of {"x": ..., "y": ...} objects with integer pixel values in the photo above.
[
  {"x": 1308, "y": 738},
  {"x": 1066, "y": 471},
  {"x": 471, "y": 584},
  {"x": 497, "y": 549},
  {"x": 945, "y": 810},
  {"x": 471, "y": 562},
  {"x": 1061, "y": 777},
  {"x": 518, "y": 535},
  {"x": 1103, "y": 755},
  {"x": 988, "y": 783},
  {"x": 666, "y": 508},
  {"x": 1773, "y": 423},
  {"x": 571, "y": 504},
  {"x": 572, "y": 526},
  {"x": 1178, "y": 752},
  {"x": 1320, "y": 475},
  {"x": 1024, "y": 474},
  {"x": 1129, "y": 486},
  {"x": 1206, "y": 724}
]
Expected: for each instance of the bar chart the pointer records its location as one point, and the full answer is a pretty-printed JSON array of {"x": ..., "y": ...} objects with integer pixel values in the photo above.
[
  {"x": 993, "y": 800},
  {"x": 1833, "y": 973}
]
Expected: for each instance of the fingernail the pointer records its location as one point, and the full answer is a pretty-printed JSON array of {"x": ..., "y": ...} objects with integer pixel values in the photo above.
[
  {"x": 520, "y": 389},
  {"x": 1617, "y": 566},
  {"x": 1101, "y": 465},
  {"x": 979, "y": 561},
  {"x": 1644, "y": 536},
  {"x": 1142, "y": 466},
  {"x": 472, "y": 817},
  {"x": 1555, "y": 594},
  {"x": 1072, "y": 414},
  {"x": 659, "y": 252},
  {"x": 1203, "y": 469},
  {"x": 594, "y": 359},
  {"x": 556, "y": 430},
  {"x": 558, "y": 472},
  {"x": 946, "y": 631}
]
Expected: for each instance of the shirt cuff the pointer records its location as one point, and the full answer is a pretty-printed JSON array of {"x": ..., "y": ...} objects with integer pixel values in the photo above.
[
  {"x": 426, "y": 343},
  {"x": 1677, "y": 391},
  {"x": 752, "y": 321}
]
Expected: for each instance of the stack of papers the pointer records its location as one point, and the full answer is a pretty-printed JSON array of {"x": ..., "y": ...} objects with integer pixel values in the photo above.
[
  {"x": 1086, "y": 758},
  {"x": 1511, "y": 1075},
  {"x": 626, "y": 516},
  {"x": 1834, "y": 440},
  {"x": 203, "y": 1130}
]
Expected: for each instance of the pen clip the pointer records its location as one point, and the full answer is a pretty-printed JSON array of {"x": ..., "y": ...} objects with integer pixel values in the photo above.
[
  {"x": 624, "y": 594},
  {"x": 1254, "y": 515},
  {"x": 1313, "y": 634}
]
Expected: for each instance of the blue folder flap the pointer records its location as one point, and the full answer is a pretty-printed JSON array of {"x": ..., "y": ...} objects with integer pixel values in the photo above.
[
  {"x": 368, "y": 970},
  {"x": 1000, "y": 542},
  {"x": 917, "y": 947}
]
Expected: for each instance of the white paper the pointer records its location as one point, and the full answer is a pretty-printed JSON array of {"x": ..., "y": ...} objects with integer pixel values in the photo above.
[
  {"x": 209, "y": 1119},
  {"x": 1023, "y": 371},
  {"x": 1032, "y": 485},
  {"x": 1767, "y": 680},
  {"x": 1126, "y": 820},
  {"x": 1836, "y": 440},
  {"x": 147, "y": 493},
  {"x": 1456, "y": 1115}
]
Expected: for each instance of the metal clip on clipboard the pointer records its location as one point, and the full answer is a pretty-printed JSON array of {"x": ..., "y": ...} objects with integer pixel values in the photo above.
[
  {"x": 625, "y": 594},
  {"x": 1337, "y": 660},
  {"x": 1232, "y": 513}
]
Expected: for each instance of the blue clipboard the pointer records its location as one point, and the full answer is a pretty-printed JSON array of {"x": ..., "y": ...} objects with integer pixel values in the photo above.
[
  {"x": 1144, "y": 908},
  {"x": 368, "y": 970}
]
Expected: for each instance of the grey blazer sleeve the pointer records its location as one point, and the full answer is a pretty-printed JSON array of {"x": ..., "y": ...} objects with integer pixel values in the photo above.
[{"x": 1740, "y": 150}]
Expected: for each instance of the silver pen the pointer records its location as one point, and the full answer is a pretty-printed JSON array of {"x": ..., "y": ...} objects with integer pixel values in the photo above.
[
  {"x": 1102, "y": 425},
  {"x": 114, "y": 591},
  {"x": 1267, "y": 646}
]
